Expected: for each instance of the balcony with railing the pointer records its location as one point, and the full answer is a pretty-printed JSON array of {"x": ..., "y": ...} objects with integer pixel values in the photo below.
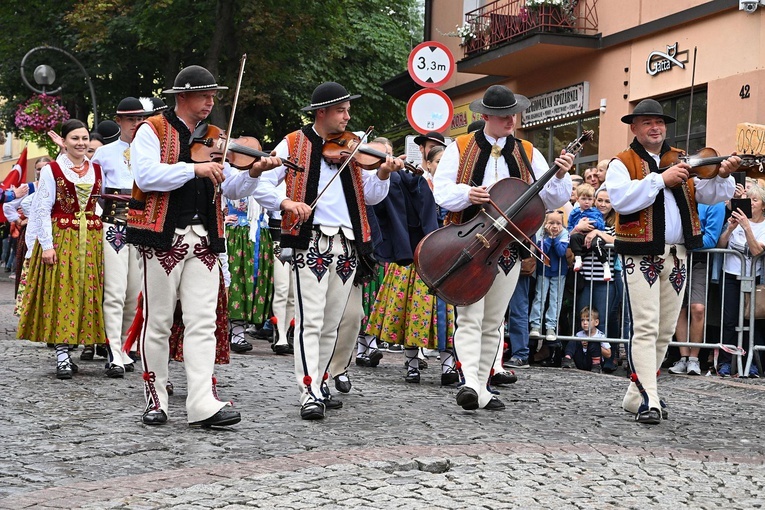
[{"x": 508, "y": 26}]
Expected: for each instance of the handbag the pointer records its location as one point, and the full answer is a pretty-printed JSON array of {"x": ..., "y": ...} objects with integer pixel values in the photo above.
[
  {"x": 366, "y": 268},
  {"x": 528, "y": 266},
  {"x": 759, "y": 302}
]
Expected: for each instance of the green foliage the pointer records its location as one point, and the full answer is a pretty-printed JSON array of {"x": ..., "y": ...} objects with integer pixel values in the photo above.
[{"x": 136, "y": 47}]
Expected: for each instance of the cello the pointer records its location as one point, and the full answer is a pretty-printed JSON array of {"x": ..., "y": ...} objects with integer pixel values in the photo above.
[{"x": 458, "y": 262}]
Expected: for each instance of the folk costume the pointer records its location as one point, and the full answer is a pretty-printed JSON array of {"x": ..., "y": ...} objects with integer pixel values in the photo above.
[
  {"x": 240, "y": 246},
  {"x": 478, "y": 159},
  {"x": 176, "y": 221},
  {"x": 326, "y": 246},
  {"x": 122, "y": 274},
  {"x": 283, "y": 300},
  {"x": 654, "y": 228},
  {"x": 62, "y": 301}
]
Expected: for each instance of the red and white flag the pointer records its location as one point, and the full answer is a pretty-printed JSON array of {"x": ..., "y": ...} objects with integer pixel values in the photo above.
[{"x": 18, "y": 173}]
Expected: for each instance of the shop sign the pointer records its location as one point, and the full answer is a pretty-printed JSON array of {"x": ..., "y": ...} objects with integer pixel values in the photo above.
[
  {"x": 659, "y": 61},
  {"x": 557, "y": 104},
  {"x": 461, "y": 119}
]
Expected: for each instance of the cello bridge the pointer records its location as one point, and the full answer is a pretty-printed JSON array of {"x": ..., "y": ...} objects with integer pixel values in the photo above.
[{"x": 483, "y": 240}]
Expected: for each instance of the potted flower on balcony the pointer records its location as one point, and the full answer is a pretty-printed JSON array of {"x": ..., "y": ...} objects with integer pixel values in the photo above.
[
  {"x": 465, "y": 32},
  {"x": 551, "y": 15},
  {"x": 38, "y": 115}
]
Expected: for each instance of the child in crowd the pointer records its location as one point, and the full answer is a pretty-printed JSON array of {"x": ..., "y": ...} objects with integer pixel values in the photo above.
[
  {"x": 554, "y": 242},
  {"x": 586, "y": 199},
  {"x": 586, "y": 355}
]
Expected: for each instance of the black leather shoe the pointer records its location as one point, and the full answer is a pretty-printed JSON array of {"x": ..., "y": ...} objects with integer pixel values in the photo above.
[
  {"x": 374, "y": 357},
  {"x": 650, "y": 417},
  {"x": 115, "y": 371},
  {"x": 87, "y": 353},
  {"x": 332, "y": 403},
  {"x": 169, "y": 388},
  {"x": 240, "y": 347},
  {"x": 130, "y": 367},
  {"x": 664, "y": 410},
  {"x": 134, "y": 356},
  {"x": 343, "y": 385},
  {"x": 282, "y": 349},
  {"x": 495, "y": 404},
  {"x": 449, "y": 378},
  {"x": 501, "y": 378},
  {"x": 222, "y": 418},
  {"x": 467, "y": 398},
  {"x": 362, "y": 361},
  {"x": 154, "y": 417},
  {"x": 312, "y": 411},
  {"x": 412, "y": 376},
  {"x": 101, "y": 351}
]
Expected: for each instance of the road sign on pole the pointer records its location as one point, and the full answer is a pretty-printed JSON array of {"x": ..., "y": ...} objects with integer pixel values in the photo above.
[
  {"x": 431, "y": 64},
  {"x": 429, "y": 110}
]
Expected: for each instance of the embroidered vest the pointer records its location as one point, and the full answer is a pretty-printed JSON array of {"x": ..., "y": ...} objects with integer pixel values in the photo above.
[
  {"x": 66, "y": 209},
  {"x": 642, "y": 232},
  {"x": 154, "y": 215},
  {"x": 473, "y": 162},
  {"x": 305, "y": 148}
]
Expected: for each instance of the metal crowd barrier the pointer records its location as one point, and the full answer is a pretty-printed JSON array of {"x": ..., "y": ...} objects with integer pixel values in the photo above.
[{"x": 714, "y": 280}]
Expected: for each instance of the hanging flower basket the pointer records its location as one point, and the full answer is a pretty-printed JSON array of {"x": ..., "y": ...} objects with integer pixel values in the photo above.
[{"x": 38, "y": 115}]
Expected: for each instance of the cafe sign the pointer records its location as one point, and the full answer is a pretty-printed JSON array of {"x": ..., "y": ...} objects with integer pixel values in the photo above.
[
  {"x": 557, "y": 104},
  {"x": 659, "y": 61}
]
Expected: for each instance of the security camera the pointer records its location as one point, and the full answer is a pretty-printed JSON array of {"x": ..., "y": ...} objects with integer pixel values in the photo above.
[{"x": 748, "y": 5}]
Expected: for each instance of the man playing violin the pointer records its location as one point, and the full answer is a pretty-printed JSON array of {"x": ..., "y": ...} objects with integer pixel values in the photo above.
[
  {"x": 175, "y": 219},
  {"x": 657, "y": 222},
  {"x": 471, "y": 164},
  {"x": 327, "y": 238}
]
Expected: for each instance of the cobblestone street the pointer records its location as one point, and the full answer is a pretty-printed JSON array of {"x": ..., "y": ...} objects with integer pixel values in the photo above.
[{"x": 563, "y": 441}]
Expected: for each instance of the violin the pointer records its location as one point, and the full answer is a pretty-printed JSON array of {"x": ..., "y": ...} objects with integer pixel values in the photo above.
[
  {"x": 369, "y": 156},
  {"x": 207, "y": 143},
  {"x": 705, "y": 164},
  {"x": 459, "y": 262}
]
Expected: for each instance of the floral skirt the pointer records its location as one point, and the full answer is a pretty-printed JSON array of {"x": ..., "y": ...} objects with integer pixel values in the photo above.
[
  {"x": 241, "y": 265},
  {"x": 264, "y": 279},
  {"x": 406, "y": 313},
  {"x": 21, "y": 278},
  {"x": 62, "y": 303}
]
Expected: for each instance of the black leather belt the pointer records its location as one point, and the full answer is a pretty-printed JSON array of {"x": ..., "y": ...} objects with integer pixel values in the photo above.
[{"x": 114, "y": 211}]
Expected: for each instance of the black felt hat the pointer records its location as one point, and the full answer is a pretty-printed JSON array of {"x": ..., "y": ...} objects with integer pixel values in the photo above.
[
  {"x": 432, "y": 136},
  {"x": 476, "y": 125},
  {"x": 328, "y": 94},
  {"x": 500, "y": 101},
  {"x": 194, "y": 79},
  {"x": 131, "y": 107},
  {"x": 109, "y": 130},
  {"x": 648, "y": 108},
  {"x": 157, "y": 105}
]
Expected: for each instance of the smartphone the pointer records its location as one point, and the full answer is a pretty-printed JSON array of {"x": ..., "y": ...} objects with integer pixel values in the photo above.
[
  {"x": 740, "y": 178},
  {"x": 745, "y": 204}
]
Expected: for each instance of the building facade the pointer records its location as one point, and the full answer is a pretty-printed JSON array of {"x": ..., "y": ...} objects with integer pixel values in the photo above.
[{"x": 586, "y": 63}]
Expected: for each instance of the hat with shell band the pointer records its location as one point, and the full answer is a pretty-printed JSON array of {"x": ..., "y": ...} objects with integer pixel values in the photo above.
[
  {"x": 131, "y": 107},
  {"x": 500, "y": 101},
  {"x": 194, "y": 79},
  {"x": 328, "y": 94}
]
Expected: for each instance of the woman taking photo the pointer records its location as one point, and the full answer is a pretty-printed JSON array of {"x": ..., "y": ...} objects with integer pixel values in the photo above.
[{"x": 62, "y": 301}]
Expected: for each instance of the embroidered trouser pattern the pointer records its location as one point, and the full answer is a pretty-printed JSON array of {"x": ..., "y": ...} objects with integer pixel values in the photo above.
[
  {"x": 323, "y": 281},
  {"x": 122, "y": 284},
  {"x": 655, "y": 286},
  {"x": 188, "y": 272},
  {"x": 478, "y": 338}
]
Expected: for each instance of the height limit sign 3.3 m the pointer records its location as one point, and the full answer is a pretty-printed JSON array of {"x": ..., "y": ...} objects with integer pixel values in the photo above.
[{"x": 431, "y": 64}]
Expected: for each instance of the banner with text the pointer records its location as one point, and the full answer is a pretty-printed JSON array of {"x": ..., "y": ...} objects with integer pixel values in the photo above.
[{"x": 558, "y": 104}]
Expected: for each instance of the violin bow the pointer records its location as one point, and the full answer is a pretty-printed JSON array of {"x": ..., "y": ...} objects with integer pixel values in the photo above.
[
  {"x": 690, "y": 105},
  {"x": 233, "y": 114},
  {"x": 339, "y": 170}
]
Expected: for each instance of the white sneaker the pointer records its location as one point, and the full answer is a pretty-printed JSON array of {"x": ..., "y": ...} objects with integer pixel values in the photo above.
[
  {"x": 680, "y": 367},
  {"x": 534, "y": 333},
  {"x": 551, "y": 336},
  {"x": 693, "y": 367}
]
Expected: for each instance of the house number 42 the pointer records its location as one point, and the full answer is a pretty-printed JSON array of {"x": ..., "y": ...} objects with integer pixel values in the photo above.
[{"x": 744, "y": 93}]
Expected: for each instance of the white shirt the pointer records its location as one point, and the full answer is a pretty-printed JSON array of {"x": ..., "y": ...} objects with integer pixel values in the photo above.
[
  {"x": 454, "y": 197},
  {"x": 115, "y": 166},
  {"x": 331, "y": 209},
  {"x": 151, "y": 175},
  {"x": 737, "y": 241},
  {"x": 630, "y": 196},
  {"x": 45, "y": 197}
]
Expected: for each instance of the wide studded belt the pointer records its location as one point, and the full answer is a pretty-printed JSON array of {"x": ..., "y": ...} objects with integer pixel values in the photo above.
[{"x": 114, "y": 211}]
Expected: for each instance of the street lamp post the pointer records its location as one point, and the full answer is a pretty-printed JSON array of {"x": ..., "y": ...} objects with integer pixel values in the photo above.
[{"x": 44, "y": 75}]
